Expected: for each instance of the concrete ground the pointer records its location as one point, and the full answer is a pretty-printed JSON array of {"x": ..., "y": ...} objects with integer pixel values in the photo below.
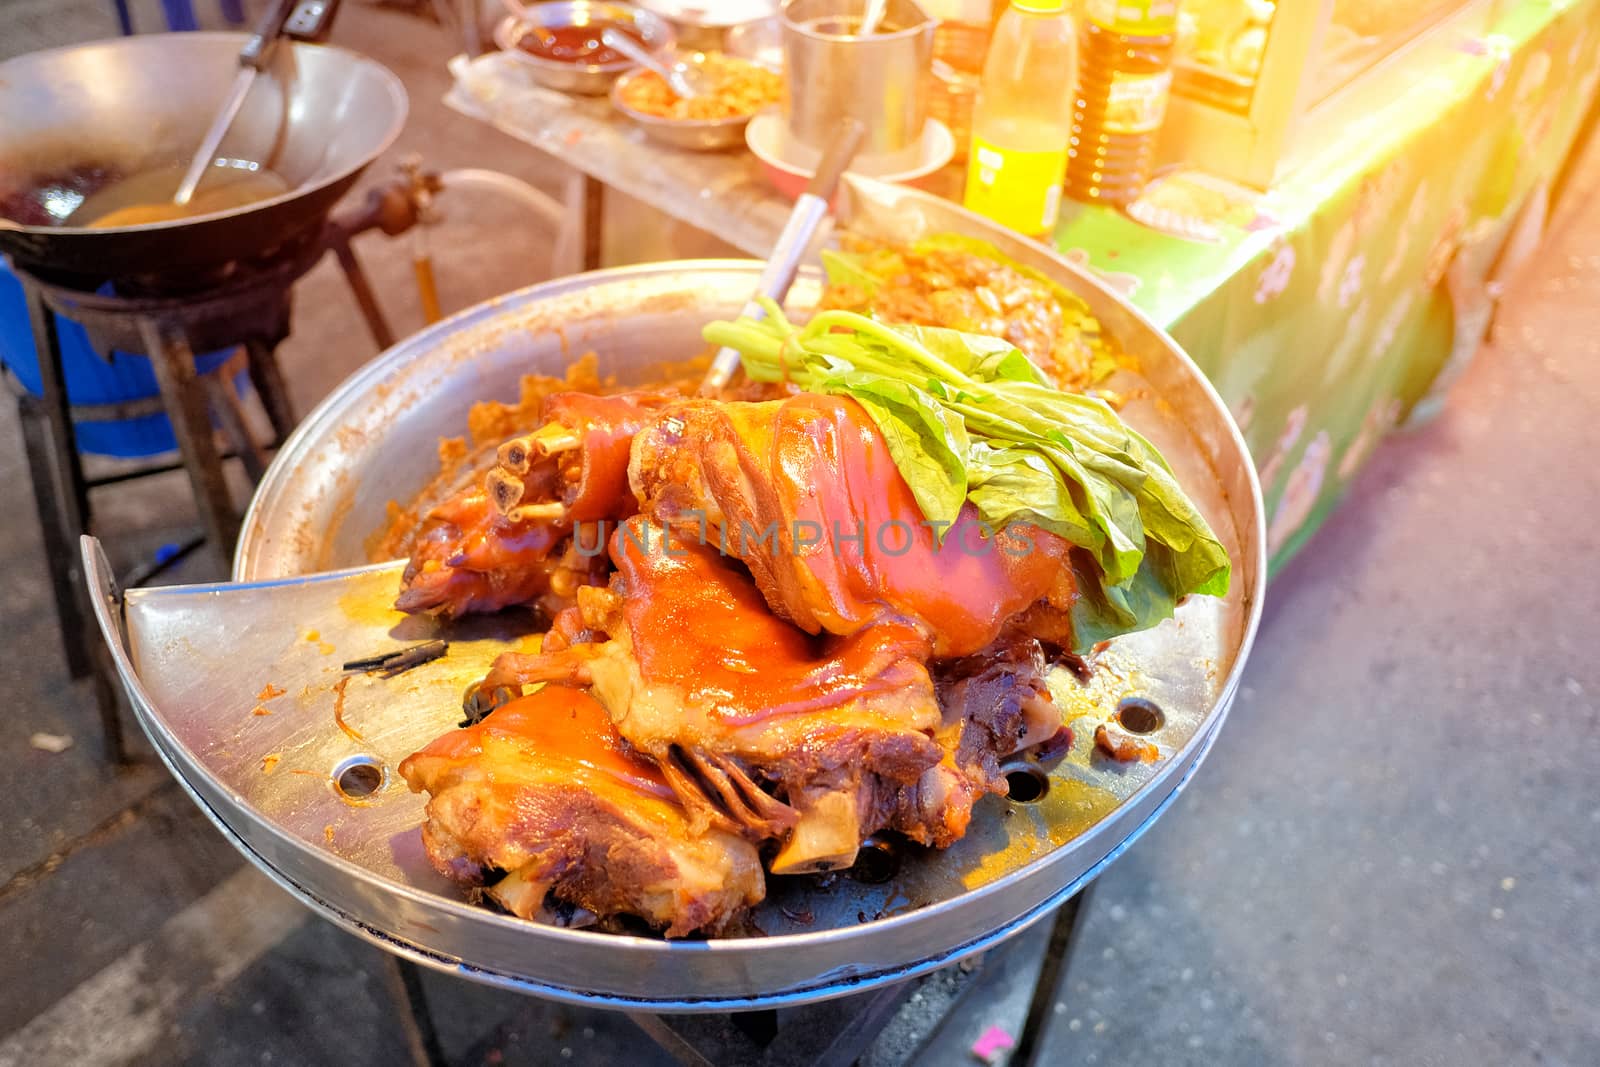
[{"x": 1390, "y": 857}]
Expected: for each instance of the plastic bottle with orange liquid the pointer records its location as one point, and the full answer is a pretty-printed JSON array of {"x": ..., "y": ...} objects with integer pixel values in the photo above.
[{"x": 1023, "y": 117}]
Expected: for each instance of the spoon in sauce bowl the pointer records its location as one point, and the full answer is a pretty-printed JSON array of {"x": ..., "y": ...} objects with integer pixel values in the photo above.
[
  {"x": 686, "y": 81},
  {"x": 546, "y": 38}
]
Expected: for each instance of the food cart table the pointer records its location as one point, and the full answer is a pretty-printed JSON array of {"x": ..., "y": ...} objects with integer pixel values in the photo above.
[{"x": 1328, "y": 310}]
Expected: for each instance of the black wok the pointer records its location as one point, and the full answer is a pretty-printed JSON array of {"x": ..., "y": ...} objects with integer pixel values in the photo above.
[{"x": 73, "y": 119}]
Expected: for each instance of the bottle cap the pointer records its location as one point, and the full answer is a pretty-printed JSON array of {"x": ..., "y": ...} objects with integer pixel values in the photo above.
[{"x": 1043, "y": 7}]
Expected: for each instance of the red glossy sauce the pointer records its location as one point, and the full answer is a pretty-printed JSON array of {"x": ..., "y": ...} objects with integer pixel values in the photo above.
[
  {"x": 470, "y": 558},
  {"x": 699, "y": 623},
  {"x": 490, "y": 542},
  {"x": 606, "y": 424},
  {"x": 577, "y": 44},
  {"x": 831, "y": 465},
  {"x": 558, "y": 723}
]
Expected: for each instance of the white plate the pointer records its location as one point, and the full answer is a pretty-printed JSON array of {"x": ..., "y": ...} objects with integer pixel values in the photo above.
[{"x": 770, "y": 141}]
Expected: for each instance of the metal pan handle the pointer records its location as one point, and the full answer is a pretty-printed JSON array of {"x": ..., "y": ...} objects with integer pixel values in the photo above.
[
  {"x": 836, "y": 158},
  {"x": 303, "y": 20},
  {"x": 312, "y": 20},
  {"x": 258, "y": 49},
  {"x": 809, "y": 211}
]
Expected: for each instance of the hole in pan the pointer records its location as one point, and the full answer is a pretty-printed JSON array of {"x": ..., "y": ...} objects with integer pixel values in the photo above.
[
  {"x": 878, "y": 861},
  {"x": 1140, "y": 716},
  {"x": 358, "y": 777},
  {"x": 1028, "y": 783}
]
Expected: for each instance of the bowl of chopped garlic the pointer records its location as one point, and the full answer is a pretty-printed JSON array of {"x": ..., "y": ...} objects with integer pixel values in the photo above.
[{"x": 733, "y": 91}]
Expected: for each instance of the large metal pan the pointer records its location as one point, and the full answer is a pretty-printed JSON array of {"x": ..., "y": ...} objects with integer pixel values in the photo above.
[
  {"x": 318, "y": 117},
  {"x": 361, "y": 866}
]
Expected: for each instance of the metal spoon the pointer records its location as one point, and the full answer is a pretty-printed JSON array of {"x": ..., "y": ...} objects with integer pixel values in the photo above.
[
  {"x": 874, "y": 15},
  {"x": 683, "y": 80}
]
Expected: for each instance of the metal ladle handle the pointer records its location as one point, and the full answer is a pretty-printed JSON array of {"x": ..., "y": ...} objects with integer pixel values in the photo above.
[
  {"x": 253, "y": 59},
  {"x": 809, "y": 211},
  {"x": 621, "y": 42}
]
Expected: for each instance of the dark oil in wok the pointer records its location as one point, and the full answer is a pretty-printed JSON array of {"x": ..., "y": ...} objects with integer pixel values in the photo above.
[{"x": 146, "y": 197}]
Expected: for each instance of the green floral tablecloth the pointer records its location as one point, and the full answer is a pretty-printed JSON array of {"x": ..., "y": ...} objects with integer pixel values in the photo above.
[{"x": 1354, "y": 292}]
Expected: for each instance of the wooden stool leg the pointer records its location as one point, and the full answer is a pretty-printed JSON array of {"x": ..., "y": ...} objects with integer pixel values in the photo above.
[
  {"x": 1063, "y": 935},
  {"x": 61, "y": 495},
  {"x": 173, "y": 362},
  {"x": 594, "y": 220},
  {"x": 224, "y": 405},
  {"x": 58, "y": 484},
  {"x": 268, "y": 381},
  {"x": 404, "y": 979},
  {"x": 58, "y": 534}
]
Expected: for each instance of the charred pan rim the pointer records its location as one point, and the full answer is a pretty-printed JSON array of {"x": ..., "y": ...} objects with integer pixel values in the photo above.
[{"x": 390, "y": 81}]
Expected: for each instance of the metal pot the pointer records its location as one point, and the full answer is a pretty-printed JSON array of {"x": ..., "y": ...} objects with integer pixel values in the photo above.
[{"x": 830, "y": 72}]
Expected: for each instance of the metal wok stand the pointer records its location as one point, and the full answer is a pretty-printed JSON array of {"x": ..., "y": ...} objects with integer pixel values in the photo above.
[
  {"x": 895, "y": 1023},
  {"x": 249, "y": 310}
]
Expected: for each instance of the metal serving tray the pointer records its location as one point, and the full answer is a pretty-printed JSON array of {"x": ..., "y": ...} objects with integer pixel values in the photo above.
[{"x": 196, "y": 661}]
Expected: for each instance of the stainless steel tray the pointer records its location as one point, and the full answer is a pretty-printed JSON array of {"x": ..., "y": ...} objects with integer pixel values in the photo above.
[{"x": 372, "y": 441}]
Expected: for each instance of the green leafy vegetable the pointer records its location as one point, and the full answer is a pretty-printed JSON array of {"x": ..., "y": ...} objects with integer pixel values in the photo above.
[
  {"x": 865, "y": 271},
  {"x": 970, "y": 418}
]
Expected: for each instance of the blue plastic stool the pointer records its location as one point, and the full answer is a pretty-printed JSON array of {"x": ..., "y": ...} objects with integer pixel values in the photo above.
[
  {"x": 71, "y": 401},
  {"x": 179, "y": 15},
  {"x": 91, "y": 380}
]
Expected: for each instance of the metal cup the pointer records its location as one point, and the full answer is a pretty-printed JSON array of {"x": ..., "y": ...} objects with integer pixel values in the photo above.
[{"x": 830, "y": 72}]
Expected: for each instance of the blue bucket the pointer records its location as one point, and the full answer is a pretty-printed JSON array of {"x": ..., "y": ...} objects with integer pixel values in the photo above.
[{"x": 91, "y": 380}]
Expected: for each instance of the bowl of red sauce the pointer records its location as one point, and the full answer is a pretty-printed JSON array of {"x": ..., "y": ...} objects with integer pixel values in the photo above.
[{"x": 559, "y": 44}]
